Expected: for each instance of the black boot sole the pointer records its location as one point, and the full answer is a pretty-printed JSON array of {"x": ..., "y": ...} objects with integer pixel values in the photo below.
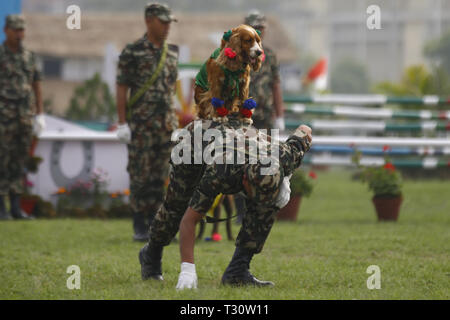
[{"x": 238, "y": 282}]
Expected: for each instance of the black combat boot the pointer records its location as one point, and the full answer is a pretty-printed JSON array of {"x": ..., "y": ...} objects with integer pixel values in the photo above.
[
  {"x": 238, "y": 273},
  {"x": 150, "y": 258},
  {"x": 16, "y": 211},
  {"x": 4, "y": 215},
  {"x": 140, "y": 227}
]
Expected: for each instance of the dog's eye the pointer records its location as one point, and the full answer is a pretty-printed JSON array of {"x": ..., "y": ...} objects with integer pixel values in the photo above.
[{"x": 248, "y": 40}]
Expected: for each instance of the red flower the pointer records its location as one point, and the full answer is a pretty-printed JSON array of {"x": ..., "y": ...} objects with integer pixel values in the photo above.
[
  {"x": 386, "y": 148},
  {"x": 230, "y": 53},
  {"x": 246, "y": 113},
  {"x": 263, "y": 57},
  {"x": 312, "y": 175},
  {"x": 222, "y": 111},
  {"x": 389, "y": 166}
]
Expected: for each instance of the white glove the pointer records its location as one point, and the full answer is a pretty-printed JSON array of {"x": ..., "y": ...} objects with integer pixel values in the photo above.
[
  {"x": 285, "y": 193},
  {"x": 188, "y": 277},
  {"x": 39, "y": 124},
  {"x": 124, "y": 133},
  {"x": 279, "y": 123}
]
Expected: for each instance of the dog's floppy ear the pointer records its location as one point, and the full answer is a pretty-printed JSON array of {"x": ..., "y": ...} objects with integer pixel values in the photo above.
[{"x": 235, "y": 44}]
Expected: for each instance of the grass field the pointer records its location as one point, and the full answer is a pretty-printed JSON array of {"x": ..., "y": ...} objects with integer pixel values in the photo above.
[{"x": 324, "y": 255}]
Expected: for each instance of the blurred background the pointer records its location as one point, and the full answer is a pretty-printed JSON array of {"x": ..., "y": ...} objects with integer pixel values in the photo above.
[
  {"x": 355, "y": 86},
  {"x": 414, "y": 35}
]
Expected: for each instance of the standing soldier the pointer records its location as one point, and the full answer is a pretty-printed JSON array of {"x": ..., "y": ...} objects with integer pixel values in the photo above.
[
  {"x": 265, "y": 85},
  {"x": 19, "y": 77},
  {"x": 148, "y": 67}
]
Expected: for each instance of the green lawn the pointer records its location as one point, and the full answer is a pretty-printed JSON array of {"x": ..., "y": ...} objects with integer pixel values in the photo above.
[{"x": 324, "y": 255}]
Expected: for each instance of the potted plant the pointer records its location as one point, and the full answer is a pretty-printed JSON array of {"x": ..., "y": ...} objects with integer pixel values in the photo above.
[
  {"x": 301, "y": 186},
  {"x": 386, "y": 184}
]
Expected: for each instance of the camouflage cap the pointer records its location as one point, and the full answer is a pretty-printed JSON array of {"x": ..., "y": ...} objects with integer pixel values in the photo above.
[
  {"x": 15, "y": 21},
  {"x": 162, "y": 11},
  {"x": 255, "y": 19}
]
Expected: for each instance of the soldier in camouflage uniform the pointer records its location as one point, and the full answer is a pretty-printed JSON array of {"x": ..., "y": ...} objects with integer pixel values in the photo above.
[
  {"x": 151, "y": 119},
  {"x": 196, "y": 185},
  {"x": 19, "y": 79},
  {"x": 265, "y": 86}
]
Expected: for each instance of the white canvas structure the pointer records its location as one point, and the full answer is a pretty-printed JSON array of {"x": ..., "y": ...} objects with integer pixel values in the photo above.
[{"x": 71, "y": 152}]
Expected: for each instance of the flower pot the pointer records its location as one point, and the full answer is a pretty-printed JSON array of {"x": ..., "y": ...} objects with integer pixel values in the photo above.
[
  {"x": 387, "y": 208},
  {"x": 27, "y": 205},
  {"x": 290, "y": 211}
]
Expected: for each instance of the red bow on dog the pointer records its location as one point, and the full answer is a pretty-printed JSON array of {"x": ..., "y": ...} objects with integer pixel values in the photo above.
[{"x": 230, "y": 53}]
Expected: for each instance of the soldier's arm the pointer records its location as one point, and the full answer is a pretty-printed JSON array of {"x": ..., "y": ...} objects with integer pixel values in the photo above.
[
  {"x": 201, "y": 200},
  {"x": 187, "y": 234},
  {"x": 121, "y": 97},
  {"x": 126, "y": 69},
  {"x": 276, "y": 86},
  {"x": 38, "y": 95},
  {"x": 293, "y": 150},
  {"x": 278, "y": 99}
]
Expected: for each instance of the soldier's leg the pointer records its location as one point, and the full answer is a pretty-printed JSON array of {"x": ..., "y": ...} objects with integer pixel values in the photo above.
[
  {"x": 136, "y": 181},
  {"x": 21, "y": 135},
  {"x": 7, "y": 124},
  {"x": 5, "y": 159},
  {"x": 262, "y": 191},
  {"x": 4, "y": 215},
  {"x": 139, "y": 170},
  {"x": 157, "y": 177},
  {"x": 166, "y": 223},
  {"x": 256, "y": 226},
  {"x": 239, "y": 202},
  {"x": 148, "y": 172}
]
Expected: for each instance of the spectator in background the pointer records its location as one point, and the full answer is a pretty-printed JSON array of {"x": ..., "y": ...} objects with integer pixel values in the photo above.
[
  {"x": 19, "y": 79},
  {"x": 265, "y": 87},
  {"x": 148, "y": 68}
]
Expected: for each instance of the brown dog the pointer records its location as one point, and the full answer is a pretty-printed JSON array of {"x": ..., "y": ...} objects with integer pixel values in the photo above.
[{"x": 228, "y": 74}]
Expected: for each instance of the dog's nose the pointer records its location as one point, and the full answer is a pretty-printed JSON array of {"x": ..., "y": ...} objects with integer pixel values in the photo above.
[{"x": 258, "y": 53}]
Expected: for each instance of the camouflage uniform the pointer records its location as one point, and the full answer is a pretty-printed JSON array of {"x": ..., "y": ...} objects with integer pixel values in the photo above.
[
  {"x": 18, "y": 72},
  {"x": 260, "y": 90},
  {"x": 262, "y": 81},
  {"x": 152, "y": 120},
  {"x": 196, "y": 185}
]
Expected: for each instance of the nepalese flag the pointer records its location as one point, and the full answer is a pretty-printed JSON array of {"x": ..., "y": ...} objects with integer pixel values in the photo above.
[{"x": 318, "y": 74}]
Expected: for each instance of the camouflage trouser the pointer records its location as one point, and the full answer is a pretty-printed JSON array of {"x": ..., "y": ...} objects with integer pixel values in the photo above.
[
  {"x": 256, "y": 224},
  {"x": 16, "y": 131},
  {"x": 148, "y": 166},
  {"x": 165, "y": 225}
]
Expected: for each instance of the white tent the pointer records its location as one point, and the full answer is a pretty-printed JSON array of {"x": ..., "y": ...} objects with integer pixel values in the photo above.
[{"x": 72, "y": 153}]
